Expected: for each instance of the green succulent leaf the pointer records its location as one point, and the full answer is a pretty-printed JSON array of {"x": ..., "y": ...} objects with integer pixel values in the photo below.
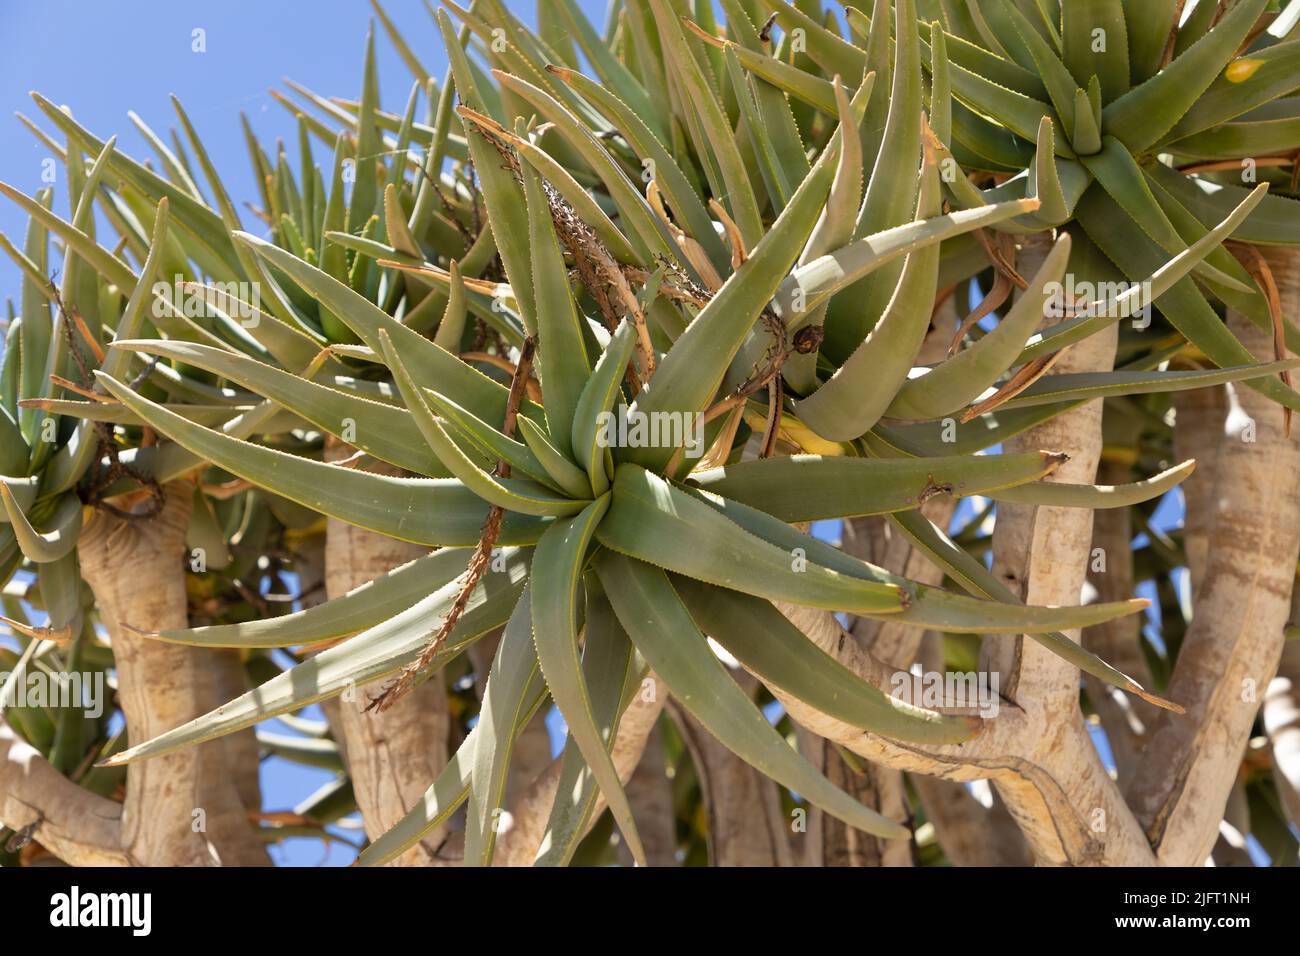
[
  {"x": 665, "y": 633},
  {"x": 561, "y": 556}
]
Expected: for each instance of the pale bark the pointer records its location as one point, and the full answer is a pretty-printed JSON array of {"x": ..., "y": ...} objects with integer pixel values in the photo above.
[
  {"x": 745, "y": 824},
  {"x": 831, "y": 842},
  {"x": 184, "y": 808},
  {"x": 1037, "y": 751},
  {"x": 1047, "y": 771},
  {"x": 1231, "y": 650},
  {"x": 79, "y": 827},
  {"x": 970, "y": 833},
  {"x": 392, "y": 755}
]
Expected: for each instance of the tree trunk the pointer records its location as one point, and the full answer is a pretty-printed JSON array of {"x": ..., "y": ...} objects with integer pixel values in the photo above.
[
  {"x": 185, "y": 808},
  {"x": 392, "y": 755}
]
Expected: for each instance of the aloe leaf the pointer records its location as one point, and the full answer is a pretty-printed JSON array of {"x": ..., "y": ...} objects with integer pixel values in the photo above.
[
  {"x": 1148, "y": 25},
  {"x": 363, "y": 607},
  {"x": 430, "y": 511},
  {"x": 609, "y": 667},
  {"x": 653, "y": 521},
  {"x": 891, "y": 193},
  {"x": 657, "y": 160},
  {"x": 664, "y": 632},
  {"x": 1145, "y": 113},
  {"x": 373, "y": 654},
  {"x": 1019, "y": 113},
  {"x": 813, "y": 90},
  {"x": 640, "y": 226},
  {"x": 693, "y": 368},
  {"x": 304, "y": 751},
  {"x": 779, "y": 654},
  {"x": 586, "y": 208},
  {"x": 454, "y": 318},
  {"x": 62, "y": 527},
  {"x": 514, "y": 495},
  {"x": 503, "y": 195},
  {"x": 1101, "y": 313},
  {"x": 561, "y": 555},
  {"x": 491, "y": 441},
  {"x": 1275, "y": 221},
  {"x": 838, "y": 219},
  {"x": 831, "y": 52},
  {"x": 974, "y": 578},
  {"x": 104, "y": 262},
  {"x": 613, "y": 74},
  {"x": 429, "y": 365},
  {"x": 927, "y": 607},
  {"x": 831, "y": 487},
  {"x": 1055, "y": 75},
  {"x": 1082, "y": 22},
  {"x": 563, "y": 473},
  {"x": 444, "y": 796},
  {"x": 1123, "y": 181},
  {"x": 1255, "y": 79},
  {"x": 814, "y": 282},
  {"x": 1065, "y": 495},
  {"x": 387, "y": 432},
  {"x": 1085, "y": 385},
  {"x": 709, "y": 126},
  {"x": 562, "y": 361},
  {"x": 855, "y": 397},
  {"x": 598, "y": 396},
  {"x": 195, "y": 218},
  {"x": 506, "y": 700},
  {"x": 1183, "y": 304},
  {"x": 955, "y": 382},
  {"x": 280, "y": 304}
]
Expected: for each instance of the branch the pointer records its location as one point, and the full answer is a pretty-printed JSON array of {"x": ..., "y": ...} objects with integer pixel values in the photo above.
[
  {"x": 1049, "y": 774},
  {"x": 79, "y": 827}
]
